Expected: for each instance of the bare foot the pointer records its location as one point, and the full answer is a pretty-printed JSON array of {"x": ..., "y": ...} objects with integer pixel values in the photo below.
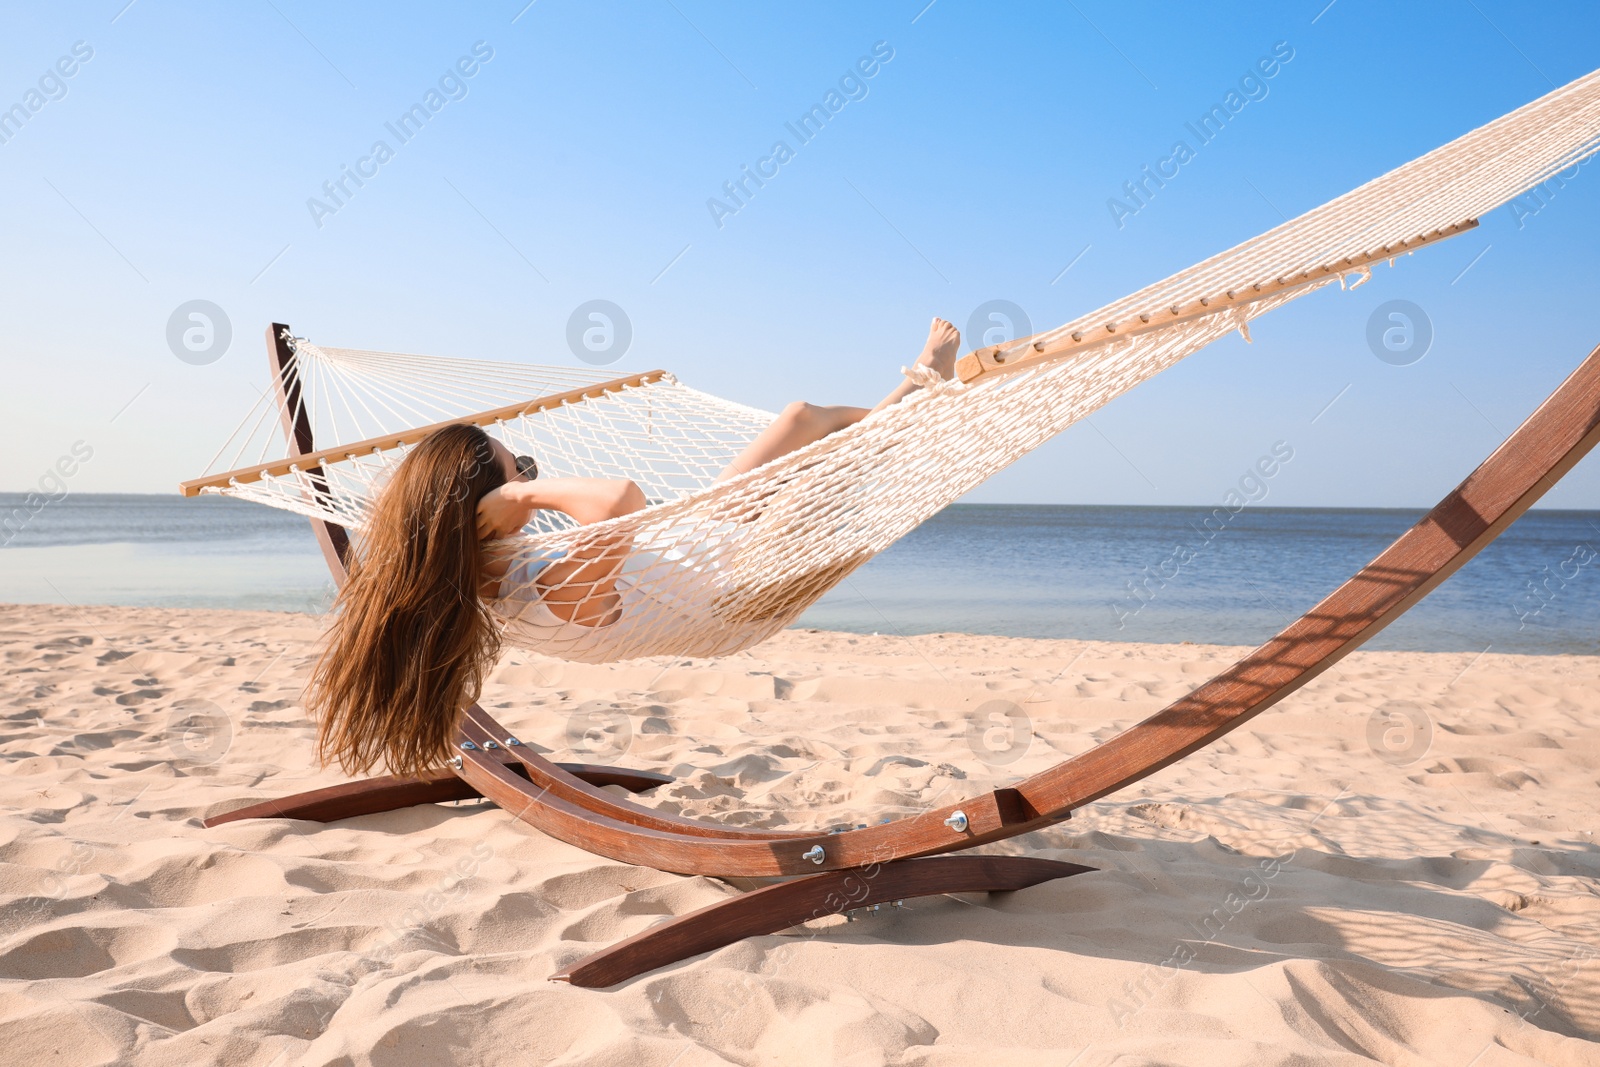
[{"x": 944, "y": 341}]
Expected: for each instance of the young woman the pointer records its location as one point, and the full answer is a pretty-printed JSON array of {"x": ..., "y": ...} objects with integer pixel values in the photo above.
[{"x": 414, "y": 633}]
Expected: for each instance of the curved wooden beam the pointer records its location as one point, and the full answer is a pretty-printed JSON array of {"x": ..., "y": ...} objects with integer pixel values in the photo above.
[
  {"x": 350, "y": 799},
  {"x": 579, "y": 821},
  {"x": 1547, "y": 445},
  {"x": 778, "y": 907},
  {"x": 555, "y": 780},
  {"x": 692, "y": 847}
]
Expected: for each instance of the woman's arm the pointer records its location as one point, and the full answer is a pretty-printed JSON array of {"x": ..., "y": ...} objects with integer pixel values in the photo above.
[
  {"x": 581, "y": 587},
  {"x": 504, "y": 511}
]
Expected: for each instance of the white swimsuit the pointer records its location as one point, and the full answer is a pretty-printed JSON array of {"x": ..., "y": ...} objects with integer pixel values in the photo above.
[{"x": 658, "y": 591}]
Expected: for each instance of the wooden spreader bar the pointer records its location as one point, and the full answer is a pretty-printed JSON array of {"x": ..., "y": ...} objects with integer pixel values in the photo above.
[
  {"x": 1032, "y": 351},
  {"x": 885, "y": 862},
  {"x": 311, "y": 459}
]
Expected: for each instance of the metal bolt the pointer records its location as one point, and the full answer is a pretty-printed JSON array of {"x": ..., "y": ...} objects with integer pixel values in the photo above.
[
  {"x": 468, "y": 746},
  {"x": 455, "y": 761},
  {"x": 491, "y": 744},
  {"x": 814, "y": 854},
  {"x": 957, "y": 821},
  {"x": 512, "y": 742}
]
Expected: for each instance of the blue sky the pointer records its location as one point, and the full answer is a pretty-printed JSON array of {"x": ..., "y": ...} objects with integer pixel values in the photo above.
[{"x": 975, "y": 164}]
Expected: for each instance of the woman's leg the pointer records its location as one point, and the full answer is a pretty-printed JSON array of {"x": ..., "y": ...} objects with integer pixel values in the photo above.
[
  {"x": 796, "y": 426},
  {"x": 800, "y": 423}
]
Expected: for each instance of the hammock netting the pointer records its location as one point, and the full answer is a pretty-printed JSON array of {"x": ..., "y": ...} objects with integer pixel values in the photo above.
[{"x": 718, "y": 567}]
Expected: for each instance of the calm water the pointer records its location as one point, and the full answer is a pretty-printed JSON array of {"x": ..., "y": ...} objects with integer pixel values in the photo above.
[
  {"x": 1018, "y": 570},
  {"x": 161, "y": 551}
]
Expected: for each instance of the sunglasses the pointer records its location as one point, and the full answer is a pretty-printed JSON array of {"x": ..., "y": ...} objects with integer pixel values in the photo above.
[{"x": 527, "y": 467}]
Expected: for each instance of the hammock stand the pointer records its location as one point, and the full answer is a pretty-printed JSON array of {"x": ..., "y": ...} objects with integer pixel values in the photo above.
[
  {"x": 832, "y": 873},
  {"x": 1105, "y": 353}
]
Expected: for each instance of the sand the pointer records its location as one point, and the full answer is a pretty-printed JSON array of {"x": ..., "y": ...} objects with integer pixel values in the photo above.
[{"x": 1307, "y": 891}]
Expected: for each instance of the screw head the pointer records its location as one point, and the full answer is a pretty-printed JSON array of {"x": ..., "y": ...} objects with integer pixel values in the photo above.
[
  {"x": 957, "y": 821},
  {"x": 512, "y": 742},
  {"x": 815, "y": 854},
  {"x": 468, "y": 746}
]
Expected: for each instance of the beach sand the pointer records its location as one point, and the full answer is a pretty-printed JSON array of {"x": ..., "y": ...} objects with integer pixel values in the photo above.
[{"x": 1305, "y": 891}]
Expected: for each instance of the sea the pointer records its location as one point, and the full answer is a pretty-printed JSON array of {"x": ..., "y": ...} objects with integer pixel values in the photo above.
[{"x": 1149, "y": 574}]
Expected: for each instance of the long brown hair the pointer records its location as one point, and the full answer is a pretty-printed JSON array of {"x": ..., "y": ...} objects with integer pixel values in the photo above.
[{"x": 412, "y": 642}]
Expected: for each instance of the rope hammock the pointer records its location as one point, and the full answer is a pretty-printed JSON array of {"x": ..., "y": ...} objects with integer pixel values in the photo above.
[{"x": 719, "y": 567}]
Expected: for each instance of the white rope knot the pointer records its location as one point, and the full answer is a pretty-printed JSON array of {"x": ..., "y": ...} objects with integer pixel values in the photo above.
[
  {"x": 305, "y": 348},
  {"x": 1242, "y": 322},
  {"x": 923, "y": 376}
]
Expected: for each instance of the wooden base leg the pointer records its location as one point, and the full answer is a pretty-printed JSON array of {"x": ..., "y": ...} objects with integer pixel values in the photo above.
[
  {"x": 778, "y": 907},
  {"x": 372, "y": 795}
]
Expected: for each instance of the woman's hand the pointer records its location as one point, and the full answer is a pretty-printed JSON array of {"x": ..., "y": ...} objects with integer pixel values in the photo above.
[{"x": 504, "y": 510}]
